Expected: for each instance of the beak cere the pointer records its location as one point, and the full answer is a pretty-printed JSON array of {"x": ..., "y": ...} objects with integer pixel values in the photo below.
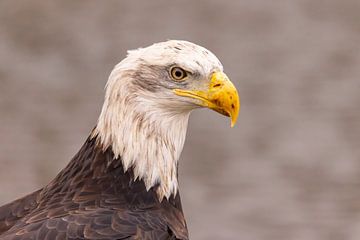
[{"x": 220, "y": 96}]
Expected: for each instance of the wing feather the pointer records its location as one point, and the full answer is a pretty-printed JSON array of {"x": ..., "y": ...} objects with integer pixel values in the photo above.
[
  {"x": 96, "y": 225},
  {"x": 12, "y": 212}
]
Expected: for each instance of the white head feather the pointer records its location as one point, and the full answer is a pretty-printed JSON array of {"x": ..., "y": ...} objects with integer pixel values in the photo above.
[{"x": 142, "y": 120}]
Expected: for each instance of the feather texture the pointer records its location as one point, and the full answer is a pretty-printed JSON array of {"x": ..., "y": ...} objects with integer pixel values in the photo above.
[{"x": 92, "y": 198}]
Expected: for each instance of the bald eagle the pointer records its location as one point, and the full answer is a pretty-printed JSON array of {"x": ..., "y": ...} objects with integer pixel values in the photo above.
[{"x": 123, "y": 182}]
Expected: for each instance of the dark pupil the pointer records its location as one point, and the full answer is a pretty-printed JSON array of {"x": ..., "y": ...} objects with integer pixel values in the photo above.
[{"x": 178, "y": 73}]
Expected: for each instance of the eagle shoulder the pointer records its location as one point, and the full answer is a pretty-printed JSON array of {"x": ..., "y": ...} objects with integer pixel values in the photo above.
[
  {"x": 93, "y": 198},
  {"x": 98, "y": 224}
]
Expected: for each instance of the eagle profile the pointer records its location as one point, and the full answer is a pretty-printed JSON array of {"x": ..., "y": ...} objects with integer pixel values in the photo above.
[{"x": 123, "y": 182}]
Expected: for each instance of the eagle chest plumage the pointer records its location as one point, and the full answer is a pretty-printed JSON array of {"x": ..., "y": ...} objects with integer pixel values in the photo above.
[{"x": 92, "y": 198}]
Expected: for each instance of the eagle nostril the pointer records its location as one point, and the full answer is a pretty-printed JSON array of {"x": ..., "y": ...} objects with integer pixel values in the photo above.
[{"x": 217, "y": 85}]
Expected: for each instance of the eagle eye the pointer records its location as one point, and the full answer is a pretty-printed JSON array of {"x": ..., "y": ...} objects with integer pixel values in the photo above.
[{"x": 178, "y": 73}]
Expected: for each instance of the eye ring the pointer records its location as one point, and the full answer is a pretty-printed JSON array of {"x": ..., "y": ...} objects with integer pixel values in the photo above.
[{"x": 178, "y": 73}]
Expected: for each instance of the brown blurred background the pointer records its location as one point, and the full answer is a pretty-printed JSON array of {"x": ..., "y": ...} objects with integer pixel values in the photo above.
[{"x": 291, "y": 167}]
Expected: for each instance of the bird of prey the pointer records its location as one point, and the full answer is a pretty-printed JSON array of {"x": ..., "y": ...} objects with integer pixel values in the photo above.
[{"x": 123, "y": 182}]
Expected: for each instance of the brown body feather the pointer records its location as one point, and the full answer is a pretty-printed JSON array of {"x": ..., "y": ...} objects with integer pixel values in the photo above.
[{"x": 92, "y": 198}]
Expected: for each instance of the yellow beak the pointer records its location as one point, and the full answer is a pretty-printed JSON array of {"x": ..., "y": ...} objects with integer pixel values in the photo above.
[{"x": 220, "y": 96}]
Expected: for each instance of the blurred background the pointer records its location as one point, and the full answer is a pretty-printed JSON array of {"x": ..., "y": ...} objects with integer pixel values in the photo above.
[{"x": 290, "y": 169}]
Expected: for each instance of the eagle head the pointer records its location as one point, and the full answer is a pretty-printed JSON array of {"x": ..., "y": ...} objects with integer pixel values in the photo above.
[{"x": 149, "y": 97}]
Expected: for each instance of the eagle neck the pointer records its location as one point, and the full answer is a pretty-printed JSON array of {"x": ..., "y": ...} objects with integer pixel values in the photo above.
[
  {"x": 145, "y": 134},
  {"x": 93, "y": 172}
]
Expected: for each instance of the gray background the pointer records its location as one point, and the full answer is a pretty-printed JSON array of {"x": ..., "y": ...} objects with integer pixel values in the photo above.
[{"x": 290, "y": 169}]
